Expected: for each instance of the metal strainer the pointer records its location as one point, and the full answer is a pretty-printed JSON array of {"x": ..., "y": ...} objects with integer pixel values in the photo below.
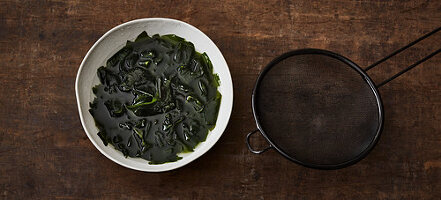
[{"x": 320, "y": 109}]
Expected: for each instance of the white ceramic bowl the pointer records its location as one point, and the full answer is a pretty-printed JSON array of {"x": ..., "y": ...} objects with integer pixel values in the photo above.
[{"x": 114, "y": 40}]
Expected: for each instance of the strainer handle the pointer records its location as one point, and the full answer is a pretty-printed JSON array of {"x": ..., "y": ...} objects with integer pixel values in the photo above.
[
  {"x": 251, "y": 148},
  {"x": 400, "y": 50}
]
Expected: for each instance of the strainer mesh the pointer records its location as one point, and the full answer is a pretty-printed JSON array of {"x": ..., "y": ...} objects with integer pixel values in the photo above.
[{"x": 317, "y": 109}]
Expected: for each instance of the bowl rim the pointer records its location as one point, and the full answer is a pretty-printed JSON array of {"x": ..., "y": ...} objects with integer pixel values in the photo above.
[{"x": 179, "y": 163}]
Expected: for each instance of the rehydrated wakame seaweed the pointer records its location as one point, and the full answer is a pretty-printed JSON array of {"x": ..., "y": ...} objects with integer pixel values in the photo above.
[{"x": 157, "y": 97}]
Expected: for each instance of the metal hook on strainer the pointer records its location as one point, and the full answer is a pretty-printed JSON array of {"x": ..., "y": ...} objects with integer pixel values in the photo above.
[{"x": 320, "y": 109}]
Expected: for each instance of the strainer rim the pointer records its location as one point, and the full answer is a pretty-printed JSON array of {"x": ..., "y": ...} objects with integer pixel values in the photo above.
[{"x": 354, "y": 66}]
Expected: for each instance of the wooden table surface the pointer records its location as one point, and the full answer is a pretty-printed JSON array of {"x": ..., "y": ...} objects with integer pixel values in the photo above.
[{"x": 45, "y": 154}]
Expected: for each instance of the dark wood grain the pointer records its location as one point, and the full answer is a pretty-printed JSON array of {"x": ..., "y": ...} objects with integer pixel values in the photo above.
[{"x": 45, "y": 154}]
